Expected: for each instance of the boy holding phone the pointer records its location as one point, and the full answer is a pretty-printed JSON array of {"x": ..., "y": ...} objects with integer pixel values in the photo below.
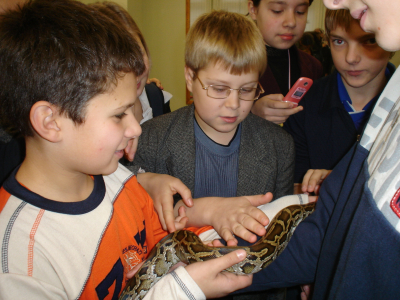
[
  {"x": 337, "y": 107},
  {"x": 350, "y": 245}
]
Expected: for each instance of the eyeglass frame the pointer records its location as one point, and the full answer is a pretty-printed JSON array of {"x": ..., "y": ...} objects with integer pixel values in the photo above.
[{"x": 230, "y": 90}]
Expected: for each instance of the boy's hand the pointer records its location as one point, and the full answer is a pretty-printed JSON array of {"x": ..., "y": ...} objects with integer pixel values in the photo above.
[
  {"x": 313, "y": 179},
  {"x": 131, "y": 148},
  {"x": 156, "y": 81},
  {"x": 213, "y": 281},
  {"x": 240, "y": 216},
  {"x": 162, "y": 188},
  {"x": 231, "y": 216},
  {"x": 305, "y": 291},
  {"x": 181, "y": 219},
  {"x": 272, "y": 108}
]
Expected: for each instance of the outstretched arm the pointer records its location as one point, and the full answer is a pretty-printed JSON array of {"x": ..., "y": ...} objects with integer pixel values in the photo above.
[
  {"x": 230, "y": 216},
  {"x": 202, "y": 280},
  {"x": 162, "y": 188}
]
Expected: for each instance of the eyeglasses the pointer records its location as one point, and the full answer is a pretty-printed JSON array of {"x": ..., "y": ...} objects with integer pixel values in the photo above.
[{"x": 223, "y": 91}]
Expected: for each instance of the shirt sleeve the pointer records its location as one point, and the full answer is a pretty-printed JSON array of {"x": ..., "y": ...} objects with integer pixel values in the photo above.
[
  {"x": 176, "y": 285},
  {"x": 17, "y": 286}
]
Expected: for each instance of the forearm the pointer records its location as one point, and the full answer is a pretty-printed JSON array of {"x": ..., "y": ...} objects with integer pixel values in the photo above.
[
  {"x": 178, "y": 285},
  {"x": 200, "y": 213}
]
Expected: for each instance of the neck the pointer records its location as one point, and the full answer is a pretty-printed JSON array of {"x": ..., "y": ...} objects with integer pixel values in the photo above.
[
  {"x": 360, "y": 96},
  {"x": 46, "y": 176},
  {"x": 222, "y": 138}
]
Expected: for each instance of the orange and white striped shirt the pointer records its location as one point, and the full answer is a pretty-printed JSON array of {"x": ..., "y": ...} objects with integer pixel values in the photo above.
[{"x": 55, "y": 250}]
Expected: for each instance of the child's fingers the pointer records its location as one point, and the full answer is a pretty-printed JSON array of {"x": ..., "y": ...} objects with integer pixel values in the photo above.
[
  {"x": 258, "y": 200},
  {"x": 228, "y": 260},
  {"x": 227, "y": 235},
  {"x": 169, "y": 219},
  {"x": 249, "y": 224},
  {"x": 178, "y": 187}
]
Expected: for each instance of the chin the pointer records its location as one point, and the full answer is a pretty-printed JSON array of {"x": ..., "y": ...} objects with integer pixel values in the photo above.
[{"x": 388, "y": 43}]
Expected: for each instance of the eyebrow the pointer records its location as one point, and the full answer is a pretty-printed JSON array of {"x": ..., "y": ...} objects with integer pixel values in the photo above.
[
  {"x": 125, "y": 107},
  {"x": 285, "y": 3},
  {"x": 363, "y": 37},
  {"x": 222, "y": 82}
]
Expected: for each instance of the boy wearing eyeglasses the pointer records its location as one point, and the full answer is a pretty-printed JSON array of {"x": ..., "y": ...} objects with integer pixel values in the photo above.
[{"x": 215, "y": 147}]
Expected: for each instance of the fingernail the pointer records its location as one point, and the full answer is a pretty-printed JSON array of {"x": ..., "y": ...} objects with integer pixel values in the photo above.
[
  {"x": 241, "y": 254},
  {"x": 190, "y": 201}
]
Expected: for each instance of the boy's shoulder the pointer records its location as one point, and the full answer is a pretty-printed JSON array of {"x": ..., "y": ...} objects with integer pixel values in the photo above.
[{"x": 177, "y": 118}]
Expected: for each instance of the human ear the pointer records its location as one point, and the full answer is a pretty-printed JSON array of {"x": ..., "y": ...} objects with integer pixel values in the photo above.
[
  {"x": 43, "y": 117},
  {"x": 189, "y": 75},
  {"x": 252, "y": 10}
]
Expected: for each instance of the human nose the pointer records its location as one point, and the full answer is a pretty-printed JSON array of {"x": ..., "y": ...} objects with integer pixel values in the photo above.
[
  {"x": 290, "y": 19},
  {"x": 353, "y": 54},
  {"x": 335, "y": 4},
  {"x": 233, "y": 101},
  {"x": 133, "y": 129}
]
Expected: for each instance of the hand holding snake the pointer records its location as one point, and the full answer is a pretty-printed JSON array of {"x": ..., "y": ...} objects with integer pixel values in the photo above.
[{"x": 187, "y": 247}]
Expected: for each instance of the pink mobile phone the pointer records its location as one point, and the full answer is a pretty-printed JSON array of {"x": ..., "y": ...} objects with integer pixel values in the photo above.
[{"x": 298, "y": 90}]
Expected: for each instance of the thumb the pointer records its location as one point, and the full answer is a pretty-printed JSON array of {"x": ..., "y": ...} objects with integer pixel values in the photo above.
[
  {"x": 180, "y": 188},
  {"x": 258, "y": 200},
  {"x": 228, "y": 260}
]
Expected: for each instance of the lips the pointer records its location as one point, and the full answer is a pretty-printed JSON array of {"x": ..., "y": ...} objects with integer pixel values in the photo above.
[
  {"x": 354, "y": 73},
  {"x": 229, "y": 119},
  {"x": 119, "y": 153},
  {"x": 358, "y": 13},
  {"x": 287, "y": 37}
]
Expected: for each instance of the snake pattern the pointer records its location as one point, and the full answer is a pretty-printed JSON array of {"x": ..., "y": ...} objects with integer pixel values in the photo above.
[{"x": 185, "y": 246}]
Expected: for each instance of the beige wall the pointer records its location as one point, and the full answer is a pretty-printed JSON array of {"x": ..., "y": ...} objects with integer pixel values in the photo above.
[{"x": 163, "y": 25}]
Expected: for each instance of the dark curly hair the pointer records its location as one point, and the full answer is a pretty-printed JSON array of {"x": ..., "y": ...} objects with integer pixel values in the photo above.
[{"x": 63, "y": 52}]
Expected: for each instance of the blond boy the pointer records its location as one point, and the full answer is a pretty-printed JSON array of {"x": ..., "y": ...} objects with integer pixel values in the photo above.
[{"x": 73, "y": 222}]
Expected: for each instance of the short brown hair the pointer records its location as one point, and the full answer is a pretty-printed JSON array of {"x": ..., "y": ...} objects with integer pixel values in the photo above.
[
  {"x": 119, "y": 15},
  {"x": 227, "y": 38},
  {"x": 63, "y": 52},
  {"x": 335, "y": 18}
]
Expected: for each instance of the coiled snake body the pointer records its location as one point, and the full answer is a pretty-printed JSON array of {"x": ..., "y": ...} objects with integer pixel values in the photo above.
[{"x": 187, "y": 247}]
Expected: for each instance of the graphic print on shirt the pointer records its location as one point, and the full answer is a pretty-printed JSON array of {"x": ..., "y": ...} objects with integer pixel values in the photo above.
[{"x": 132, "y": 253}]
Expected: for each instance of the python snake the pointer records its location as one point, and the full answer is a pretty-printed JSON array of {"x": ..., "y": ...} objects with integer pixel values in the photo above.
[{"x": 185, "y": 246}]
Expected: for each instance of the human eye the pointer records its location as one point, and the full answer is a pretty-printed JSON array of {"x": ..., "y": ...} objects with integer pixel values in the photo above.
[
  {"x": 276, "y": 8},
  {"x": 370, "y": 41},
  {"x": 121, "y": 116},
  {"x": 247, "y": 90},
  {"x": 220, "y": 89},
  {"x": 337, "y": 42},
  {"x": 301, "y": 12}
]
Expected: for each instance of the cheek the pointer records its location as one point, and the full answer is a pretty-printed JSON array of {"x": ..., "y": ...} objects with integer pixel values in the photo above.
[
  {"x": 337, "y": 58},
  {"x": 377, "y": 54},
  {"x": 301, "y": 23},
  {"x": 246, "y": 107}
]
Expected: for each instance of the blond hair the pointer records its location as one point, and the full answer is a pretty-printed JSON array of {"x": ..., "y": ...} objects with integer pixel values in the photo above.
[{"x": 226, "y": 38}]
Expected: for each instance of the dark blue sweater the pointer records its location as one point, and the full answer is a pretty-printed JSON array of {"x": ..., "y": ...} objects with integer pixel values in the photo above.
[
  {"x": 346, "y": 246},
  {"x": 324, "y": 131}
]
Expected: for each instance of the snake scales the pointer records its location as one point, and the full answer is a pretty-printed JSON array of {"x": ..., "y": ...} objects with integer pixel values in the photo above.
[{"x": 187, "y": 247}]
